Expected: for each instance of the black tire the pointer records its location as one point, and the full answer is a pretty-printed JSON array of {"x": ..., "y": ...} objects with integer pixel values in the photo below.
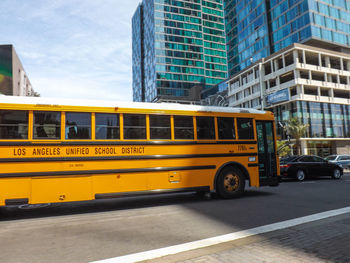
[
  {"x": 300, "y": 175},
  {"x": 230, "y": 183},
  {"x": 336, "y": 174}
]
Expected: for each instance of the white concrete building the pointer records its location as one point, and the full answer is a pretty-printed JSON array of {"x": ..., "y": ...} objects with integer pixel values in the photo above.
[{"x": 306, "y": 82}]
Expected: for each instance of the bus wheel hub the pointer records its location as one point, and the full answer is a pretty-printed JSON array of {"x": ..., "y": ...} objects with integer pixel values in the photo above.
[{"x": 231, "y": 182}]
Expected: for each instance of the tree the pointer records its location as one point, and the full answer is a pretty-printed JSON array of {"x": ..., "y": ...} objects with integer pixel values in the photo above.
[
  {"x": 283, "y": 148},
  {"x": 296, "y": 129}
]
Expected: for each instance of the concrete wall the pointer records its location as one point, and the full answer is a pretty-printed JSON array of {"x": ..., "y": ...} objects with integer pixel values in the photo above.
[{"x": 18, "y": 75}]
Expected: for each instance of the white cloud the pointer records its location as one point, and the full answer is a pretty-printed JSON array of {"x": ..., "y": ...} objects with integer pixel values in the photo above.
[{"x": 75, "y": 48}]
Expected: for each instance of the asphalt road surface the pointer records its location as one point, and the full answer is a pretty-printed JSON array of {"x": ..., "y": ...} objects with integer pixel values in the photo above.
[{"x": 89, "y": 231}]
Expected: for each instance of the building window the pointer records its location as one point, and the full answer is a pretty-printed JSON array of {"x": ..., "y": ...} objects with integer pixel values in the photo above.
[{"x": 255, "y": 102}]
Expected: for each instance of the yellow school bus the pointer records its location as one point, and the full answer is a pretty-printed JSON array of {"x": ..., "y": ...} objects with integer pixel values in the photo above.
[{"x": 55, "y": 150}]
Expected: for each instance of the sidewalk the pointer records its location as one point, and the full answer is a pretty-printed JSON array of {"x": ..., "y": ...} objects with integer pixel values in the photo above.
[{"x": 326, "y": 240}]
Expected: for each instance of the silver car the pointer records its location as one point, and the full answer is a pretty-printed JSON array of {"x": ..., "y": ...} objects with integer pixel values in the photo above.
[{"x": 342, "y": 160}]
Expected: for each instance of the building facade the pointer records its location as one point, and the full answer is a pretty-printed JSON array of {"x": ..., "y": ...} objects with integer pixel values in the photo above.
[
  {"x": 178, "y": 49},
  {"x": 306, "y": 82},
  {"x": 258, "y": 28},
  {"x": 13, "y": 79}
]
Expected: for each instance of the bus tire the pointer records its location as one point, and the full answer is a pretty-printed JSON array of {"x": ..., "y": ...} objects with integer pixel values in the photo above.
[{"x": 230, "y": 183}]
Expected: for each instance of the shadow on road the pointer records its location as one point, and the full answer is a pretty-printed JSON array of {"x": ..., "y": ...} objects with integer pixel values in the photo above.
[{"x": 125, "y": 203}]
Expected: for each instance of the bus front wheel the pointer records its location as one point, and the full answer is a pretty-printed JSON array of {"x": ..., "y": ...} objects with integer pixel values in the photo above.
[{"x": 230, "y": 183}]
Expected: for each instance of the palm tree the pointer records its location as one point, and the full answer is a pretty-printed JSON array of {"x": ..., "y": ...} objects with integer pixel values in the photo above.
[
  {"x": 296, "y": 129},
  {"x": 283, "y": 148}
]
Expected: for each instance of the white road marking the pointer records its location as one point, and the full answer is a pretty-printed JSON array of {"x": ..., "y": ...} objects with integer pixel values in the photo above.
[{"x": 161, "y": 252}]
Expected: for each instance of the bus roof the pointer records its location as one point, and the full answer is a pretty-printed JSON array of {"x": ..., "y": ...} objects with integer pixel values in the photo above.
[{"x": 130, "y": 105}]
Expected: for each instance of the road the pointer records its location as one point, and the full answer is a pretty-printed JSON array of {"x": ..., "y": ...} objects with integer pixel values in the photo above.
[{"x": 90, "y": 231}]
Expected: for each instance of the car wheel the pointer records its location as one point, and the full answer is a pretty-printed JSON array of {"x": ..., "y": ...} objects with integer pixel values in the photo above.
[
  {"x": 300, "y": 175},
  {"x": 336, "y": 174}
]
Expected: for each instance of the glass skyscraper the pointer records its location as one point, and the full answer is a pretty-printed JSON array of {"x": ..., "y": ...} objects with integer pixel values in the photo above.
[
  {"x": 257, "y": 28},
  {"x": 177, "y": 45},
  {"x": 247, "y": 33}
]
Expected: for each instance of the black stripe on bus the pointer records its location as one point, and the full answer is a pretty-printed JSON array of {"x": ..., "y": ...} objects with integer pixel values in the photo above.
[
  {"x": 80, "y": 143},
  {"x": 153, "y": 192},
  {"x": 253, "y": 164},
  {"x": 115, "y": 158},
  {"x": 109, "y": 171}
]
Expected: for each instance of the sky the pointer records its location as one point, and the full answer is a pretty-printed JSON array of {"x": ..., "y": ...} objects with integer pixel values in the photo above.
[{"x": 72, "y": 48}]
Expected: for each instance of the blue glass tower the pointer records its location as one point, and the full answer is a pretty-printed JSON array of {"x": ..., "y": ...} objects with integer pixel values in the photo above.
[
  {"x": 177, "y": 45},
  {"x": 137, "y": 56},
  {"x": 258, "y": 28},
  {"x": 247, "y": 33}
]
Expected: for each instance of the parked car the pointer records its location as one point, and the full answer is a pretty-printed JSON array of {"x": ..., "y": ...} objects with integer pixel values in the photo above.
[
  {"x": 342, "y": 160},
  {"x": 302, "y": 166}
]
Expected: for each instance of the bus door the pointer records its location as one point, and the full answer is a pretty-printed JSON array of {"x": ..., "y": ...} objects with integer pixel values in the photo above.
[{"x": 266, "y": 153}]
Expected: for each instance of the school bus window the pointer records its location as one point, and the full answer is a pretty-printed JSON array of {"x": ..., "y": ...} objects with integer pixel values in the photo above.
[
  {"x": 107, "y": 126},
  {"x": 46, "y": 125},
  {"x": 226, "y": 128},
  {"x": 13, "y": 124},
  {"x": 160, "y": 127},
  {"x": 134, "y": 126},
  {"x": 78, "y": 125},
  {"x": 245, "y": 128},
  {"x": 183, "y": 127},
  {"x": 205, "y": 128}
]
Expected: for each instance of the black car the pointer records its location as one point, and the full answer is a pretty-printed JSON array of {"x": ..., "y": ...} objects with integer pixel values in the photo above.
[{"x": 302, "y": 166}]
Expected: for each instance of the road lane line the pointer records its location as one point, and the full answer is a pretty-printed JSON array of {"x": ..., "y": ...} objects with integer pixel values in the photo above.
[{"x": 161, "y": 252}]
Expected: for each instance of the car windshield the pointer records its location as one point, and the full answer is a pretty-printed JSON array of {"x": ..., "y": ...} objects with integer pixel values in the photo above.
[{"x": 331, "y": 158}]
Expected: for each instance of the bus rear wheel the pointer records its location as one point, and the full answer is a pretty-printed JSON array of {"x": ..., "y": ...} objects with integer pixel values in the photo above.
[{"x": 230, "y": 183}]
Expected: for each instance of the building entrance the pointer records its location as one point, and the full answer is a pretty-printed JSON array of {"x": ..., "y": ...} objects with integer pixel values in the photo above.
[{"x": 319, "y": 148}]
